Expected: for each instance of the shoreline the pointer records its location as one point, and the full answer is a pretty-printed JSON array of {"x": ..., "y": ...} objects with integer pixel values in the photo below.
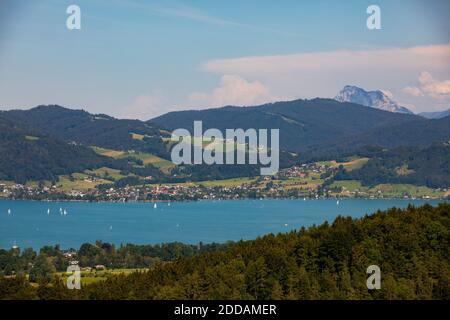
[
  {"x": 241, "y": 199},
  {"x": 293, "y": 226}
]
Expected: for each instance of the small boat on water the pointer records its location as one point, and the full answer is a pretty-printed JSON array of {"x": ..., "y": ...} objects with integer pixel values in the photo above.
[
  {"x": 65, "y": 212},
  {"x": 9, "y": 212},
  {"x": 48, "y": 211},
  {"x": 155, "y": 206},
  {"x": 337, "y": 202}
]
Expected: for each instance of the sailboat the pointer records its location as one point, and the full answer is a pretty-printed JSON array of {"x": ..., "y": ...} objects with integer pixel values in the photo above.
[
  {"x": 155, "y": 206},
  {"x": 48, "y": 211},
  {"x": 65, "y": 212},
  {"x": 9, "y": 212},
  {"x": 337, "y": 202}
]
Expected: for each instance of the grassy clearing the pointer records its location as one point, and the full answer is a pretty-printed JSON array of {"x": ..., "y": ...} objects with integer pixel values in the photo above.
[
  {"x": 108, "y": 152},
  {"x": 353, "y": 164},
  {"x": 137, "y": 136},
  {"x": 350, "y": 185},
  {"x": 389, "y": 190},
  {"x": 88, "y": 277},
  {"x": 227, "y": 182},
  {"x": 107, "y": 173},
  {"x": 400, "y": 190},
  {"x": 80, "y": 181},
  {"x": 31, "y": 138},
  {"x": 403, "y": 171},
  {"x": 148, "y": 158},
  {"x": 309, "y": 183}
]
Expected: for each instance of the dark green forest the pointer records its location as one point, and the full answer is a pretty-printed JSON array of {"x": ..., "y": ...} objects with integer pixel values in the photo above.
[
  {"x": 428, "y": 166},
  {"x": 47, "y": 141},
  {"x": 91, "y": 129},
  {"x": 329, "y": 261}
]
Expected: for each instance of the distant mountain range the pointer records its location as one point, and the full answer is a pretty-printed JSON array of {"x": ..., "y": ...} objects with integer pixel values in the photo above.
[
  {"x": 47, "y": 141},
  {"x": 319, "y": 125},
  {"x": 375, "y": 99},
  {"x": 435, "y": 115}
]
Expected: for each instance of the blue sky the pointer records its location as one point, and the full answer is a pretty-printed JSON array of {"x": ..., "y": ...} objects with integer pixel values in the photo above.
[{"x": 139, "y": 59}]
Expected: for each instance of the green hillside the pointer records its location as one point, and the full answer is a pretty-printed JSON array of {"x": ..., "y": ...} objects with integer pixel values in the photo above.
[
  {"x": 410, "y": 165},
  {"x": 28, "y": 154},
  {"x": 318, "y": 124}
]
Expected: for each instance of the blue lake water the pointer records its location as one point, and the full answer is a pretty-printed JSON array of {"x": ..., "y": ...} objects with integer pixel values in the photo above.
[{"x": 29, "y": 225}]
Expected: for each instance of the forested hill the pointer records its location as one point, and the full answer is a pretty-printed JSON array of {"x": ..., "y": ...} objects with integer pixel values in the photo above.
[
  {"x": 27, "y": 153},
  {"x": 329, "y": 261},
  {"x": 413, "y": 133},
  {"x": 92, "y": 129},
  {"x": 428, "y": 166},
  {"x": 318, "y": 124},
  {"x": 319, "y": 129}
]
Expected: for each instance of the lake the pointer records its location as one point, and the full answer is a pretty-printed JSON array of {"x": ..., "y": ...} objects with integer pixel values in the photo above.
[{"x": 35, "y": 224}]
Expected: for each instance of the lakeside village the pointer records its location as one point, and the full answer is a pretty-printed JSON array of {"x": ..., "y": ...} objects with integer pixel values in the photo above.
[{"x": 307, "y": 181}]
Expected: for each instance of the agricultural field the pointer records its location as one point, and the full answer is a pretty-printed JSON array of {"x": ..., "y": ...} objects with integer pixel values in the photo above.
[
  {"x": 106, "y": 173},
  {"x": 308, "y": 183},
  {"x": 137, "y": 136},
  {"x": 400, "y": 190},
  {"x": 147, "y": 158},
  {"x": 79, "y": 181},
  {"x": 227, "y": 183},
  {"x": 108, "y": 152},
  {"x": 88, "y": 277},
  {"x": 388, "y": 190},
  {"x": 352, "y": 164},
  {"x": 349, "y": 185}
]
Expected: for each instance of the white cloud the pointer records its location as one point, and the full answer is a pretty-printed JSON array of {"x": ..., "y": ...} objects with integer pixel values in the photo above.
[
  {"x": 145, "y": 106},
  {"x": 233, "y": 90},
  {"x": 414, "y": 91},
  {"x": 324, "y": 74},
  {"x": 373, "y": 60},
  {"x": 256, "y": 80},
  {"x": 433, "y": 87},
  {"x": 429, "y": 86}
]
